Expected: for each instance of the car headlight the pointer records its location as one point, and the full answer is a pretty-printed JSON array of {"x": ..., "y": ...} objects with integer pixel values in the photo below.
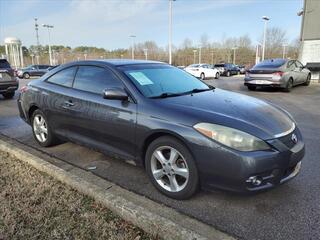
[{"x": 231, "y": 137}]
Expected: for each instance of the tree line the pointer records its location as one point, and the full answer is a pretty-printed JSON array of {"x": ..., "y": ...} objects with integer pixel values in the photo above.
[{"x": 241, "y": 49}]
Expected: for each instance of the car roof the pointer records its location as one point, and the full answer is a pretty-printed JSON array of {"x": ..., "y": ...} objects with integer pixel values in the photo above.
[{"x": 122, "y": 62}]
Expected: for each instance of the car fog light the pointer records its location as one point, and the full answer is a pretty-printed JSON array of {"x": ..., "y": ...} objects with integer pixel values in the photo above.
[{"x": 255, "y": 180}]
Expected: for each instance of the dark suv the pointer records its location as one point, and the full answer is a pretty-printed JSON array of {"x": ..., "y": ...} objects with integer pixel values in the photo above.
[
  {"x": 8, "y": 81},
  {"x": 227, "y": 69},
  {"x": 33, "y": 70}
]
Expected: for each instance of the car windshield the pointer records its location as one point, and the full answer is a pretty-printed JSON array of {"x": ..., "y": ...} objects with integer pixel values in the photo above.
[
  {"x": 270, "y": 63},
  {"x": 157, "y": 80},
  {"x": 219, "y": 65}
]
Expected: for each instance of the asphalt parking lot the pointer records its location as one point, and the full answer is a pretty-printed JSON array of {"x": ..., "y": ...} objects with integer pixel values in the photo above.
[{"x": 291, "y": 211}]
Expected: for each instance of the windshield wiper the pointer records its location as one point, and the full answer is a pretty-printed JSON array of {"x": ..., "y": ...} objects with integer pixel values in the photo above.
[
  {"x": 166, "y": 94},
  {"x": 197, "y": 90}
]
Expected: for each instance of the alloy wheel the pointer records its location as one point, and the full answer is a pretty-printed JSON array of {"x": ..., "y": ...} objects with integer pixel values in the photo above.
[
  {"x": 40, "y": 128},
  {"x": 169, "y": 168}
]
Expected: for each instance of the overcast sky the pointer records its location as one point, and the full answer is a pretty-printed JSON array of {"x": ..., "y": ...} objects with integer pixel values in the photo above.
[{"x": 108, "y": 23}]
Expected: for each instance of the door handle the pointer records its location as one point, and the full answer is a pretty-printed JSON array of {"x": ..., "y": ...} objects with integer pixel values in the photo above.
[{"x": 68, "y": 104}]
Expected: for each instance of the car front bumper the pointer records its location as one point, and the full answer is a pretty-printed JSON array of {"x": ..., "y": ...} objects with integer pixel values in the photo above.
[{"x": 228, "y": 169}]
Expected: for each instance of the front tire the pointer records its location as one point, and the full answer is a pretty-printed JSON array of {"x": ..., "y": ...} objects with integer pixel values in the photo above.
[
  {"x": 228, "y": 74},
  {"x": 171, "y": 168},
  {"x": 202, "y": 76},
  {"x": 217, "y": 75},
  {"x": 8, "y": 95},
  {"x": 26, "y": 75},
  {"x": 41, "y": 129}
]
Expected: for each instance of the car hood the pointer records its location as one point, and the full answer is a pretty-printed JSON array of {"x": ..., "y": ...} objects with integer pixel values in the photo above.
[{"x": 235, "y": 110}]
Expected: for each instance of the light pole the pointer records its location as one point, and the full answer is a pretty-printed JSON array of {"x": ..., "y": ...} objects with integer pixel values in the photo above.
[
  {"x": 194, "y": 55},
  {"x": 234, "y": 54},
  {"x": 50, "y": 54},
  {"x": 266, "y": 19},
  {"x": 200, "y": 54},
  {"x": 170, "y": 31},
  {"x": 132, "y": 47},
  {"x": 284, "y": 50},
  {"x": 146, "y": 53}
]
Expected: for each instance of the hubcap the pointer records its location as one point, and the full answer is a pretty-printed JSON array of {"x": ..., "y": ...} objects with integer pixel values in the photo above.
[
  {"x": 40, "y": 128},
  {"x": 169, "y": 169}
]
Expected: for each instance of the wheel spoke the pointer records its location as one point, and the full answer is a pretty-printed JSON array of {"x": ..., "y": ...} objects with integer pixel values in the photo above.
[
  {"x": 158, "y": 174},
  {"x": 159, "y": 156},
  {"x": 173, "y": 183},
  {"x": 37, "y": 121},
  {"x": 44, "y": 129},
  {"x": 183, "y": 172},
  {"x": 173, "y": 156}
]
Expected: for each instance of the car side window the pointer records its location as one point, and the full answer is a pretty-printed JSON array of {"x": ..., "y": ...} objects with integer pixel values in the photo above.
[
  {"x": 95, "y": 79},
  {"x": 64, "y": 77},
  {"x": 291, "y": 65},
  {"x": 299, "y": 64}
]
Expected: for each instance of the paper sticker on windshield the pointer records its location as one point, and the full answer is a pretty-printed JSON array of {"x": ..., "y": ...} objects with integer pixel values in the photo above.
[{"x": 141, "y": 78}]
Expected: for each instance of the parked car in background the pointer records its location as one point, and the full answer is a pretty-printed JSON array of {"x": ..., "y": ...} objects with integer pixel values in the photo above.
[
  {"x": 227, "y": 69},
  {"x": 278, "y": 73},
  {"x": 242, "y": 69},
  {"x": 33, "y": 71},
  {"x": 191, "y": 134},
  {"x": 202, "y": 71},
  {"x": 8, "y": 81}
]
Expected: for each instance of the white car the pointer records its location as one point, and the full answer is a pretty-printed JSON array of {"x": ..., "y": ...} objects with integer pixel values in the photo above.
[{"x": 203, "y": 71}]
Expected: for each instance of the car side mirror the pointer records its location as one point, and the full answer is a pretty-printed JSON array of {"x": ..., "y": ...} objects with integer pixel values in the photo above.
[{"x": 115, "y": 94}]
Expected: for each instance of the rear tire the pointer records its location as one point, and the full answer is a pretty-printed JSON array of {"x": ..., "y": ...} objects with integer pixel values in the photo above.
[
  {"x": 289, "y": 85},
  {"x": 252, "y": 88},
  {"x": 307, "y": 82},
  {"x": 8, "y": 95},
  {"x": 202, "y": 76},
  {"x": 228, "y": 74},
  {"x": 41, "y": 129},
  {"x": 217, "y": 75},
  {"x": 178, "y": 180}
]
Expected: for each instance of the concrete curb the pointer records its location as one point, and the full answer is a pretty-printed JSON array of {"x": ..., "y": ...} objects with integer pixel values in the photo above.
[{"x": 150, "y": 216}]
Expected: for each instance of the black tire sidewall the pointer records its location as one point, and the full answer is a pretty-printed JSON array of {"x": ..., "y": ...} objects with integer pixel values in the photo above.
[
  {"x": 289, "y": 85},
  {"x": 202, "y": 76},
  {"x": 26, "y": 75},
  {"x": 193, "y": 182},
  {"x": 217, "y": 75},
  {"x": 228, "y": 74},
  {"x": 50, "y": 136}
]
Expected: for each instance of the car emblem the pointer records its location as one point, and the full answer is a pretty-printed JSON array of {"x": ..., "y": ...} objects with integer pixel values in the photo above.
[{"x": 294, "y": 138}]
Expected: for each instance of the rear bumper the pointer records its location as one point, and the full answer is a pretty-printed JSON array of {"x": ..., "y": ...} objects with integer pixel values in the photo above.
[
  {"x": 8, "y": 87},
  {"x": 264, "y": 83}
]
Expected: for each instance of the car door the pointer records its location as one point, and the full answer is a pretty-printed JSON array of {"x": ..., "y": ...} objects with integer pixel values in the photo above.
[
  {"x": 108, "y": 125},
  {"x": 292, "y": 72},
  {"x": 303, "y": 73},
  {"x": 33, "y": 70}
]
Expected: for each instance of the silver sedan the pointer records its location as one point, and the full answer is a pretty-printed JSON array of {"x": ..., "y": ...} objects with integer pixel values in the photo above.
[{"x": 279, "y": 73}]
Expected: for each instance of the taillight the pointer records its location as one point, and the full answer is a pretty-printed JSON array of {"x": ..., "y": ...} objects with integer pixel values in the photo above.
[
  {"x": 278, "y": 73},
  {"x": 24, "y": 89}
]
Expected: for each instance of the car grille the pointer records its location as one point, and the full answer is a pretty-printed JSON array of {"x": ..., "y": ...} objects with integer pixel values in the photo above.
[
  {"x": 287, "y": 140},
  {"x": 5, "y": 77}
]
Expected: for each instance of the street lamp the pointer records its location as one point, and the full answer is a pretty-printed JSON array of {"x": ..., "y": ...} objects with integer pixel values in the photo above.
[
  {"x": 200, "y": 48},
  {"x": 170, "y": 31},
  {"x": 266, "y": 19},
  {"x": 132, "y": 47},
  {"x": 194, "y": 55},
  {"x": 146, "y": 53},
  {"x": 234, "y": 54},
  {"x": 284, "y": 50},
  {"x": 50, "y": 54}
]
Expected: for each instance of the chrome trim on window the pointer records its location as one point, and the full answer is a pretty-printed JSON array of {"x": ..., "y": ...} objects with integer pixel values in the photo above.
[{"x": 286, "y": 132}]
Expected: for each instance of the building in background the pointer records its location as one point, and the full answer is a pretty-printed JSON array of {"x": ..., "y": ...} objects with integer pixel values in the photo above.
[{"x": 310, "y": 37}]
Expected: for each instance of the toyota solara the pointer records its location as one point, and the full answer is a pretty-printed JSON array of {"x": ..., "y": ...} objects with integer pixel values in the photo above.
[{"x": 185, "y": 133}]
